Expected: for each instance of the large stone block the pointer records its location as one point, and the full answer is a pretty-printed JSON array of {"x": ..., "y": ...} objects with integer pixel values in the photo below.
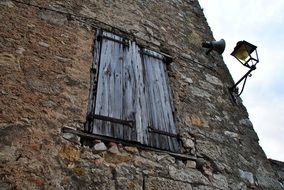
[
  {"x": 157, "y": 183},
  {"x": 208, "y": 149},
  {"x": 220, "y": 181},
  {"x": 188, "y": 175},
  {"x": 52, "y": 17}
]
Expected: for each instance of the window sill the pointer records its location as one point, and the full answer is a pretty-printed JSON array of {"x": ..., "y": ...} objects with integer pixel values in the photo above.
[{"x": 89, "y": 136}]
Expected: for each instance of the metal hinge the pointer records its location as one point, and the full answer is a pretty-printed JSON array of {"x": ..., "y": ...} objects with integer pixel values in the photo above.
[
  {"x": 164, "y": 57},
  {"x": 152, "y": 130},
  {"x": 129, "y": 123}
]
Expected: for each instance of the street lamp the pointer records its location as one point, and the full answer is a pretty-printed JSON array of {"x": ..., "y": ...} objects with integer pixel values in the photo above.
[{"x": 247, "y": 55}]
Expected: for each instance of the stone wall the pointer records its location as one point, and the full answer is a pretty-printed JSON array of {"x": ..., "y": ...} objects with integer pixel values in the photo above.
[
  {"x": 45, "y": 58},
  {"x": 278, "y": 166}
]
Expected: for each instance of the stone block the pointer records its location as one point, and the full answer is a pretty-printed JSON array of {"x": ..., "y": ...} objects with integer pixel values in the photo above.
[
  {"x": 44, "y": 44},
  {"x": 7, "y": 153},
  {"x": 220, "y": 181},
  {"x": 188, "y": 175},
  {"x": 190, "y": 164},
  {"x": 207, "y": 86},
  {"x": 127, "y": 184},
  {"x": 246, "y": 122},
  {"x": 7, "y": 3},
  {"x": 49, "y": 104},
  {"x": 44, "y": 86},
  {"x": 186, "y": 79},
  {"x": 165, "y": 159},
  {"x": 247, "y": 177},
  {"x": 128, "y": 177},
  {"x": 101, "y": 174},
  {"x": 131, "y": 149},
  {"x": 213, "y": 80},
  {"x": 200, "y": 92},
  {"x": 157, "y": 183},
  {"x": 69, "y": 153},
  {"x": 231, "y": 134},
  {"x": 88, "y": 155},
  {"x": 8, "y": 63},
  {"x": 100, "y": 147},
  {"x": 52, "y": 17},
  {"x": 114, "y": 149},
  {"x": 208, "y": 149},
  {"x": 146, "y": 163},
  {"x": 117, "y": 158},
  {"x": 10, "y": 132},
  {"x": 203, "y": 187},
  {"x": 188, "y": 143},
  {"x": 197, "y": 121}
]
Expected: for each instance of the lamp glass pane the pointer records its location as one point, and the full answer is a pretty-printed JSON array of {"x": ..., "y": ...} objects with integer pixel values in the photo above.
[{"x": 242, "y": 53}]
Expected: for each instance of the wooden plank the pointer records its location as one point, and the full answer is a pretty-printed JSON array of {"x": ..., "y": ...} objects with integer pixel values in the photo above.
[
  {"x": 93, "y": 81},
  {"x": 110, "y": 88},
  {"x": 168, "y": 109},
  {"x": 153, "y": 104},
  {"x": 115, "y": 89},
  {"x": 102, "y": 91},
  {"x": 127, "y": 89},
  {"x": 164, "y": 98},
  {"x": 159, "y": 102},
  {"x": 141, "y": 115}
]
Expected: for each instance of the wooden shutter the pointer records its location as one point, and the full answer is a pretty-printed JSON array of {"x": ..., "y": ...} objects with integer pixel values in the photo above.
[
  {"x": 132, "y": 96},
  {"x": 120, "y": 93},
  {"x": 161, "y": 129}
]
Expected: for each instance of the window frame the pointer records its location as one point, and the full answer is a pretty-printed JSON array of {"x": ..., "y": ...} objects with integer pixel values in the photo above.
[{"x": 91, "y": 116}]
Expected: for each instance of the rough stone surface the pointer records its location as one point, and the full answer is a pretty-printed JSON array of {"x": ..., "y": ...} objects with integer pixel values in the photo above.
[
  {"x": 46, "y": 51},
  {"x": 220, "y": 181},
  {"x": 156, "y": 183},
  {"x": 131, "y": 149},
  {"x": 279, "y": 168},
  {"x": 247, "y": 176},
  {"x": 269, "y": 182},
  {"x": 191, "y": 164},
  {"x": 189, "y": 176},
  {"x": 100, "y": 146},
  {"x": 128, "y": 177}
]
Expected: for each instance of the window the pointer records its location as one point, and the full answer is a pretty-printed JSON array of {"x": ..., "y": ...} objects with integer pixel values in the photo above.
[{"x": 130, "y": 97}]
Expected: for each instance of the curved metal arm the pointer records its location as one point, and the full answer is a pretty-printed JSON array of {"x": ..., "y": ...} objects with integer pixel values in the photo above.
[{"x": 234, "y": 88}]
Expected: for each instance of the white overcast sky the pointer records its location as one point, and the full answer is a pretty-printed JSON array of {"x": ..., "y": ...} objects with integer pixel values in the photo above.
[{"x": 261, "y": 23}]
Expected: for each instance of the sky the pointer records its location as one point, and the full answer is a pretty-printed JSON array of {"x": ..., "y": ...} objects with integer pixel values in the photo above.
[{"x": 261, "y": 23}]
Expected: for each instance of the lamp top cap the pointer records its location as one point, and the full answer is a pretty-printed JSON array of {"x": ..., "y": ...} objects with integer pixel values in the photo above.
[{"x": 250, "y": 47}]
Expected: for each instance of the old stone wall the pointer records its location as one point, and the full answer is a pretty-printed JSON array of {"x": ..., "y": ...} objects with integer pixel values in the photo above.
[
  {"x": 45, "y": 60},
  {"x": 278, "y": 166}
]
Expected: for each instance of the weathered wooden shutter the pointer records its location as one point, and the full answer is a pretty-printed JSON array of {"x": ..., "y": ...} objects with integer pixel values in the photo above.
[
  {"x": 120, "y": 97},
  {"x": 161, "y": 129},
  {"x": 132, "y": 96}
]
